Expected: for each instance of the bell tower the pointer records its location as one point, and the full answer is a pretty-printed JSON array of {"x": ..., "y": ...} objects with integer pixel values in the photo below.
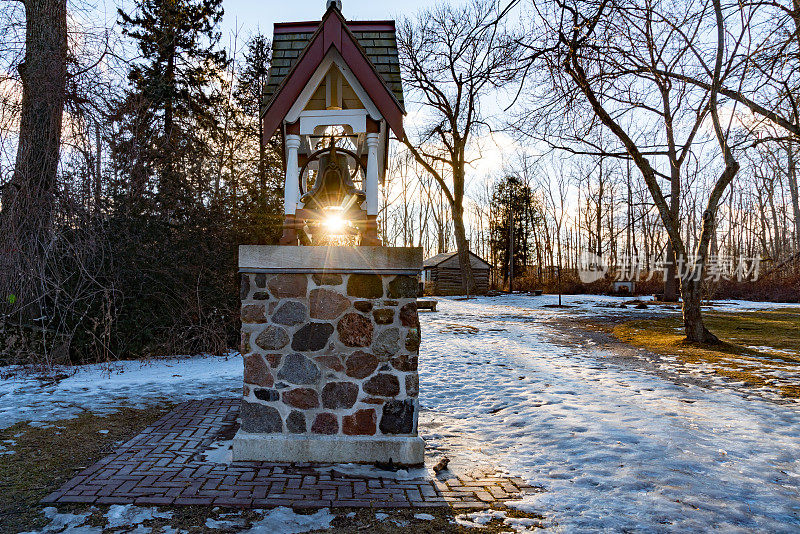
[
  {"x": 334, "y": 96},
  {"x": 330, "y": 333}
]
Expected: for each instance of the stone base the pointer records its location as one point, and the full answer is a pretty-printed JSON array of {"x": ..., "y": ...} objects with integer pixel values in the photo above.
[{"x": 249, "y": 447}]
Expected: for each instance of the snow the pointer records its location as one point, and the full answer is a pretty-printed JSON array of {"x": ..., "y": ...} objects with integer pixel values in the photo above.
[
  {"x": 4, "y": 447},
  {"x": 103, "y": 388},
  {"x": 614, "y": 444},
  {"x": 370, "y": 471},
  {"x": 483, "y": 518},
  {"x": 284, "y": 520},
  {"x": 219, "y": 452},
  {"x": 67, "y": 523},
  {"x": 119, "y": 515},
  {"x": 615, "y": 447},
  {"x": 424, "y": 517}
]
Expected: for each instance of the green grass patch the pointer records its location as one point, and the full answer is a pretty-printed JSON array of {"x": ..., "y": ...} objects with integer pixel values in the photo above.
[
  {"x": 46, "y": 458},
  {"x": 754, "y": 344}
]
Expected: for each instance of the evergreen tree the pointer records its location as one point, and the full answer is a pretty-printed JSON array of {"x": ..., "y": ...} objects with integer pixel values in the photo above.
[
  {"x": 261, "y": 173},
  {"x": 250, "y": 94},
  {"x": 514, "y": 214},
  {"x": 174, "y": 88}
]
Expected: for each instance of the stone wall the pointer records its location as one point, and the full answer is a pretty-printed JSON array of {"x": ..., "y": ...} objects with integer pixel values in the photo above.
[{"x": 330, "y": 354}]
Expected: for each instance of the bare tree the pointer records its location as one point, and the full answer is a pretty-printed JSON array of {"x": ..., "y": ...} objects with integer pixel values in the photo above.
[
  {"x": 29, "y": 198},
  {"x": 453, "y": 57},
  {"x": 587, "y": 63}
]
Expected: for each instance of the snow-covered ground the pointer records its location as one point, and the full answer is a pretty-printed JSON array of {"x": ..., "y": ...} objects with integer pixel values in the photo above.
[
  {"x": 104, "y": 388},
  {"x": 614, "y": 446}
]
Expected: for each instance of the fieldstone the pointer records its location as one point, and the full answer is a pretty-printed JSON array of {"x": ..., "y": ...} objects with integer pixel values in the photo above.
[
  {"x": 288, "y": 285},
  {"x": 392, "y": 303},
  {"x": 272, "y": 338},
  {"x": 274, "y": 360},
  {"x": 355, "y": 330},
  {"x": 365, "y": 286},
  {"x": 337, "y": 395},
  {"x": 330, "y": 361},
  {"x": 373, "y": 400},
  {"x": 364, "y": 306},
  {"x": 303, "y": 398},
  {"x": 245, "y": 288},
  {"x": 296, "y": 422},
  {"x": 253, "y": 313},
  {"x": 267, "y": 395},
  {"x": 382, "y": 385},
  {"x": 383, "y": 316},
  {"x": 312, "y": 337},
  {"x": 405, "y": 363},
  {"x": 403, "y": 287},
  {"x": 260, "y": 419},
  {"x": 412, "y": 340},
  {"x": 412, "y": 385},
  {"x": 290, "y": 313},
  {"x": 361, "y": 423},
  {"x": 261, "y": 280},
  {"x": 397, "y": 417},
  {"x": 297, "y": 369},
  {"x": 327, "y": 279},
  {"x": 409, "y": 316},
  {"x": 244, "y": 343},
  {"x": 325, "y": 423},
  {"x": 326, "y": 304},
  {"x": 246, "y": 391},
  {"x": 361, "y": 364},
  {"x": 260, "y": 295},
  {"x": 256, "y": 372},
  {"x": 387, "y": 344}
]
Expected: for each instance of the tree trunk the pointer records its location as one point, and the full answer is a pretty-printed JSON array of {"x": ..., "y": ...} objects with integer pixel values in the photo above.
[
  {"x": 28, "y": 200},
  {"x": 671, "y": 274},
  {"x": 694, "y": 327},
  {"x": 467, "y": 278},
  {"x": 792, "y": 178}
]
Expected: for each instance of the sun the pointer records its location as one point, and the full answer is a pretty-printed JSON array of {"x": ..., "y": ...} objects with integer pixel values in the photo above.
[{"x": 334, "y": 223}]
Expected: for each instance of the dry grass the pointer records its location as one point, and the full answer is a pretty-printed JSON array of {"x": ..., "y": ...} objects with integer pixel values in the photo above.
[
  {"x": 45, "y": 458},
  {"x": 754, "y": 345}
]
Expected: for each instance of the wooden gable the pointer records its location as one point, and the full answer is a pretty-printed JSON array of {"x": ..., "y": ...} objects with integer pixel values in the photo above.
[{"x": 332, "y": 32}]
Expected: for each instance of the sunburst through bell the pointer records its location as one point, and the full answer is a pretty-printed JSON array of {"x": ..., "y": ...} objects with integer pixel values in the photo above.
[{"x": 334, "y": 222}]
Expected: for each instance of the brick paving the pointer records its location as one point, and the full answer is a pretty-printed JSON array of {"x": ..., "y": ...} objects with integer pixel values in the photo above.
[{"x": 164, "y": 465}]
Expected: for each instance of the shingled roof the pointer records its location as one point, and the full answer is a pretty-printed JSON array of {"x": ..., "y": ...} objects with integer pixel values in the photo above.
[{"x": 377, "y": 39}]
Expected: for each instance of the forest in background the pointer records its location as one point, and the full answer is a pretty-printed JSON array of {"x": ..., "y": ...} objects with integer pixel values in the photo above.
[{"x": 137, "y": 167}]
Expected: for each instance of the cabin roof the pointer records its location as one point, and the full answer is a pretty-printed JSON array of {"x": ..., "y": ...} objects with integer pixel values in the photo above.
[{"x": 437, "y": 260}]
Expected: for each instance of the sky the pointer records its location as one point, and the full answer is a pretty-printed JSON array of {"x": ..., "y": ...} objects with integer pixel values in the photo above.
[{"x": 250, "y": 16}]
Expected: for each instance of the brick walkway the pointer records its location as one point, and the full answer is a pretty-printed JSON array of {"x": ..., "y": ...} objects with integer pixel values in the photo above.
[{"x": 163, "y": 465}]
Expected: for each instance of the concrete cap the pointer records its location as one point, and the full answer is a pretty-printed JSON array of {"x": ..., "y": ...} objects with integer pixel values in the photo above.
[{"x": 287, "y": 259}]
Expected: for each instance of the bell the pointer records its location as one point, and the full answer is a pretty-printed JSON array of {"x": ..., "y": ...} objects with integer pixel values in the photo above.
[{"x": 333, "y": 188}]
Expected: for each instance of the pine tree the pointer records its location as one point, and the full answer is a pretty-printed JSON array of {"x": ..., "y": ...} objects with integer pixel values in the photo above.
[
  {"x": 515, "y": 212},
  {"x": 250, "y": 94},
  {"x": 176, "y": 81}
]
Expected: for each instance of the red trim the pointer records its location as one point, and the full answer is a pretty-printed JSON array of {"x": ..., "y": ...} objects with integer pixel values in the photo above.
[
  {"x": 293, "y": 85},
  {"x": 295, "y": 27},
  {"x": 374, "y": 86},
  {"x": 333, "y": 32}
]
